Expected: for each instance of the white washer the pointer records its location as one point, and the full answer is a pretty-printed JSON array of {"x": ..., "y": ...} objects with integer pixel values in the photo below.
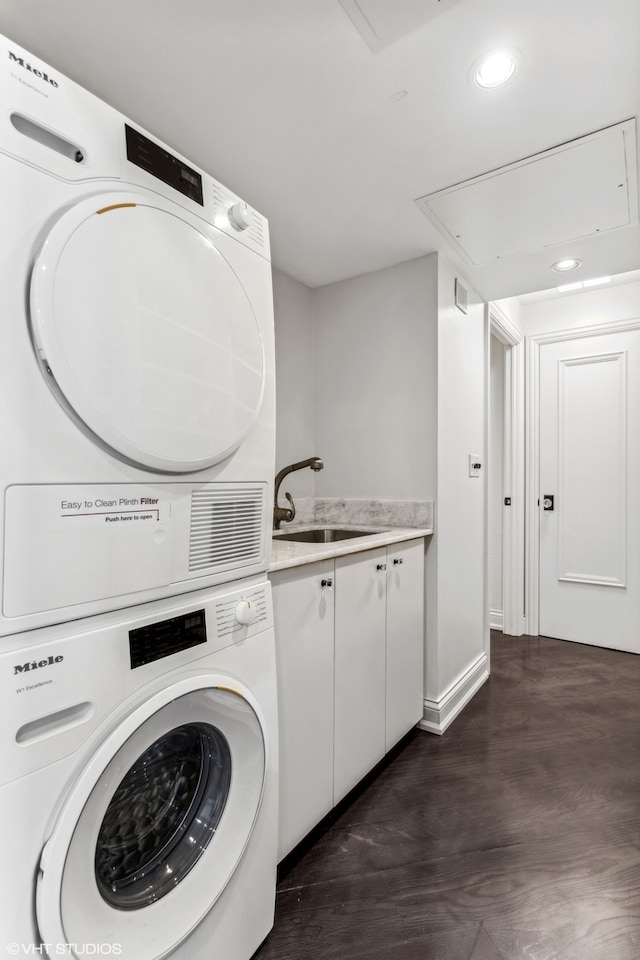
[
  {"x": 138, "y": 781},
  {"x": 136, "y": 360}
]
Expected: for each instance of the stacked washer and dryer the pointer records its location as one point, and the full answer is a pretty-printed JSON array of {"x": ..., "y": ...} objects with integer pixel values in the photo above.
[{"x": 138, "y": 711}]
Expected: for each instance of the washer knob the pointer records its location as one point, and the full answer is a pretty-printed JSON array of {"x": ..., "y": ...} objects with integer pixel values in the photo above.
[
  {"x": 245, "y": 612},
  {"x": 239, "y": 216}
]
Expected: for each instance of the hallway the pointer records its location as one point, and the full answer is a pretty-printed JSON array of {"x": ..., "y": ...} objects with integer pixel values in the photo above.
[{"x": 515, "y": 836}]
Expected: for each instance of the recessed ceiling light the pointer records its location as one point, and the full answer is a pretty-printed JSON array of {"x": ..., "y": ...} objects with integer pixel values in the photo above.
[
  {"x": 495, "y": 69},
  {"x": 564, "y": 266}
]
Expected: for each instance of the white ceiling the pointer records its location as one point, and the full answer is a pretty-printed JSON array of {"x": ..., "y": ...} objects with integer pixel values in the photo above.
[{"x": 284, "y": 102}]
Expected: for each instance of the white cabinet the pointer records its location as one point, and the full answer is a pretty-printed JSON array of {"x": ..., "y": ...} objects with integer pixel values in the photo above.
[
  {"x": 405, "y": 639},
  {"x": 359, "y": 731},
  {"x": 350, "y": 654},
  {"x": 303, "y": 611}
]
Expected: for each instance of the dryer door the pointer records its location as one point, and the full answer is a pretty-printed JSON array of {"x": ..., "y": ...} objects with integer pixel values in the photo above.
[
  {"x": 156, "y": 825},
  {"x": 145, "y": 331}
]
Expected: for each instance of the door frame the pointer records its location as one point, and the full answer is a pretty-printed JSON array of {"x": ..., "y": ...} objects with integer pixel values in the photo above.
[
  {"x": 532, "y": 428},
  {"x": 513, "y": 618}
]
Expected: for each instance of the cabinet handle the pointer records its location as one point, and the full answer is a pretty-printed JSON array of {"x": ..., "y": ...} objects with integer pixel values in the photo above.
[
  {"x": 381, "y": 566},
  {"x": 327, "y": 583},
  {"x": 397, "y": 560}
]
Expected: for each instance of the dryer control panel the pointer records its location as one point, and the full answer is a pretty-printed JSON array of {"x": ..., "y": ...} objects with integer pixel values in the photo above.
[{"x": 160, "y": 163}]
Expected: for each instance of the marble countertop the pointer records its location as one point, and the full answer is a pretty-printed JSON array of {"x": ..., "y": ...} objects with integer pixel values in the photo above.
[{"x": 291, "y": 553}]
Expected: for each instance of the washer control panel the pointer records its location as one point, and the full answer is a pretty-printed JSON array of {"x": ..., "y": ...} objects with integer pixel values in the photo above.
[
  {"x": 235, "y": 614},
  {"x": 230, "y": 618}
]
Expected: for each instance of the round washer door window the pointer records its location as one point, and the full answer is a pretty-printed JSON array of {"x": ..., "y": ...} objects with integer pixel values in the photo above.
[
  {"x": 146, "y": 333},
  {"x": 162, "y": 830},
  {"x": 162, "y": 816}
]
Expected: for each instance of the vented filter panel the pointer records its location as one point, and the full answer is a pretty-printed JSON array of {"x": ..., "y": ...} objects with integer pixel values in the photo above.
[{"x": 226, "y": 527}]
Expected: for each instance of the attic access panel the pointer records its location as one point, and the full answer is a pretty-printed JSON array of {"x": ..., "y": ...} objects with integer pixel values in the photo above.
[
  {"x": 380, "y": 22},
  {"x": 574, "y": 191}
]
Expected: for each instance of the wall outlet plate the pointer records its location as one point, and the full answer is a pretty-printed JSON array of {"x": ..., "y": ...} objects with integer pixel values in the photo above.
[{"x": 475, "y": 465}]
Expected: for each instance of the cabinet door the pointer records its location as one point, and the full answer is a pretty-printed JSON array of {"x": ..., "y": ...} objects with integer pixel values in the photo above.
[
  {"x": 360, "y": 603},
  {"x": 303, "y": 610},
  {"x": 405, "y": 639}
]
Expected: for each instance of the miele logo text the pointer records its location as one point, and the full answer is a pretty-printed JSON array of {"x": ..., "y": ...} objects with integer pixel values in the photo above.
[
  {"x": 36, "y": 73},
  {"x": 35, "y": 664}
]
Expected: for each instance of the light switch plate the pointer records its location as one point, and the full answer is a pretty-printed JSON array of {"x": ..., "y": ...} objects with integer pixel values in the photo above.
[{"x": 475, "y": 465}]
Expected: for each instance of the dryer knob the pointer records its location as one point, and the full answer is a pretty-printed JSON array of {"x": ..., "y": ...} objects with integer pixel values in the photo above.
[
  {"x": 245, "y": 612},
  {"x": 239, "y": 216}
]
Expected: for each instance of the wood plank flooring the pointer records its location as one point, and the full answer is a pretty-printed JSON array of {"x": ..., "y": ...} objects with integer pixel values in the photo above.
[{"x": 515, "y": 836}]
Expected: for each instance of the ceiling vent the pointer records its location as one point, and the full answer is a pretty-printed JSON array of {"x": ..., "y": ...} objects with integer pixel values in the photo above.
[
  {"x": 580, "y": 189},
  {"x": 380, "y": 22}
]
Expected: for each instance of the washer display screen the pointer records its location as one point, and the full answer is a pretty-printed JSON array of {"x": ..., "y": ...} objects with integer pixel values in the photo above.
[{"x": 166, "y": 637}]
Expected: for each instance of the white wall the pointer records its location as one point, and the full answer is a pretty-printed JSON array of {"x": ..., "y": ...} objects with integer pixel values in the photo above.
[
  {"x": 400, "y": 387},
  {"x": 375, "y": 375},
  {"x": 294, "y": 380},
  {"x": 605, "y": 304},
  {"x": 461, "y": 616},
  {"x": 512, "y": 310}
]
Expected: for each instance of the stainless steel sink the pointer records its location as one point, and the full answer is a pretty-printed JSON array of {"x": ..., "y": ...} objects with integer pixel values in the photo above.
[{"x": 320, "y": 535}]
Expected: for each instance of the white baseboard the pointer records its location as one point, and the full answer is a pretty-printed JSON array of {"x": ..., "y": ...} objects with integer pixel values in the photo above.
[
  {"x": 439, "y": 714},
  {"x": 496, "y": 619}
]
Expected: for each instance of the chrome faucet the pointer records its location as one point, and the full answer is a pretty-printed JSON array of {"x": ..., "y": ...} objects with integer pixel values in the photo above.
[{"x": 288, "y": 513}]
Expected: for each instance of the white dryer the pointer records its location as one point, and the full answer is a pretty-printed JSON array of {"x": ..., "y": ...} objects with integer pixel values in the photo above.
[
  {"x": 136, "y": 361},
  {"x": 138, "y": 781}
]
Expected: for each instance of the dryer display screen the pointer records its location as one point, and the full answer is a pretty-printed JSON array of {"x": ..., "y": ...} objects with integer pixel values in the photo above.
[
  {"x": 157, "y": 640},
  {"x": 161, "y": 164}
]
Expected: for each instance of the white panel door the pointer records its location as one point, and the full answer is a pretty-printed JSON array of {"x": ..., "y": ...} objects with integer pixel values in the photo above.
[
  {"x": 590, "y": 490},
  {"x": 303, "y": 608},
  {"x": 360, "y": 640},
  {"x": 405, "y": 639}
]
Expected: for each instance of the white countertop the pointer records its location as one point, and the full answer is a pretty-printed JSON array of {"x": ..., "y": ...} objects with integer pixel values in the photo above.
[{"x": 292, "y": 553}]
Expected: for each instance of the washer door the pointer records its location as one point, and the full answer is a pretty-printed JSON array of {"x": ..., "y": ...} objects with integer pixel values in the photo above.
[
  {"x": 155, "y": 827},
  {"x": 145, "y": 332}
]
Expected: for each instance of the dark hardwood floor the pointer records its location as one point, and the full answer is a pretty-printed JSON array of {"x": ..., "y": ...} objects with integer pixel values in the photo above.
[{"x": 515, "y": 836}]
